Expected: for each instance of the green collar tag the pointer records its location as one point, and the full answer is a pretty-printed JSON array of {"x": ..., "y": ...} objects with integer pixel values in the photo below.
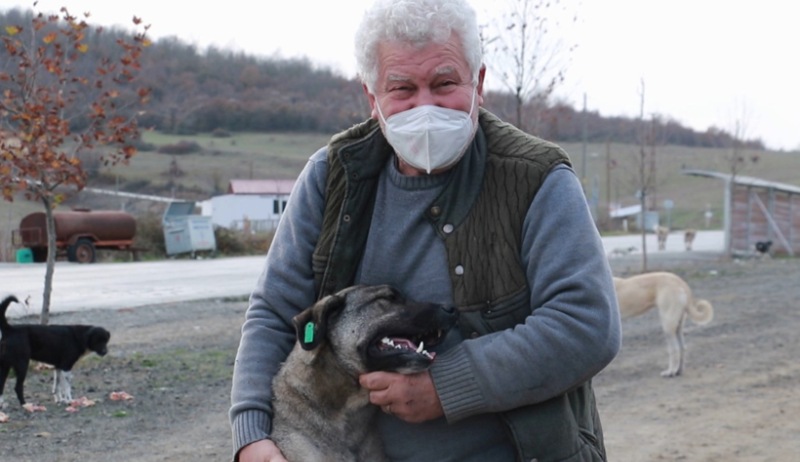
[{"x": 309, "y": 333}]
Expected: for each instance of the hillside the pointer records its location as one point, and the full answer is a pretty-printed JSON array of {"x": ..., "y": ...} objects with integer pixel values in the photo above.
[
  {"x": 261, "y": 118},
  {"x": 200, "y": 91},
  {"x": 198, "y": 176}
]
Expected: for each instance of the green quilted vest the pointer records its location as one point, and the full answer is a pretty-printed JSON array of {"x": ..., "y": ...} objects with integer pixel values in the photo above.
[{"x": 482, "y": 234}]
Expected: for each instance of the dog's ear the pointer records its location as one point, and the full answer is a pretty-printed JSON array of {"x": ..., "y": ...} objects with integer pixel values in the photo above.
[{"x": 311, "y": 325}]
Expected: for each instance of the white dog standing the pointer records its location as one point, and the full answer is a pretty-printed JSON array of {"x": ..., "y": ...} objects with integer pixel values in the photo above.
[{"x": 674, "y": 299}]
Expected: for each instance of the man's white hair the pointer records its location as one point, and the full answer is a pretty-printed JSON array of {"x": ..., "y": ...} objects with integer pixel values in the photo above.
[{"x": 417, "y": 23}]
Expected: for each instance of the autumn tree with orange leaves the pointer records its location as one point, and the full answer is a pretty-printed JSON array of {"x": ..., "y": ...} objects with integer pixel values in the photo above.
[{"x": 59, "y": 98}]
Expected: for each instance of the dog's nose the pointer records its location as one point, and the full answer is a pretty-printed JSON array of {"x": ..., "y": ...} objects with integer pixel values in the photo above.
[{"x": 449, "y": 309}]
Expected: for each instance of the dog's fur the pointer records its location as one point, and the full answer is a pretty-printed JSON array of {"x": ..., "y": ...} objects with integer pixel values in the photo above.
[
  {"x": 60, "y": 346},
  {"x": 674, "y": 300},
  {"x": 688, "y": 238},
  {"x": 320, "y": 411}
]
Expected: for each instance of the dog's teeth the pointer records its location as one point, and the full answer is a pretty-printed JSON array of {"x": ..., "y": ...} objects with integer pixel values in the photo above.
[
  {"x": 387, "y": 341},
  {"x": 421, "y": 348}
]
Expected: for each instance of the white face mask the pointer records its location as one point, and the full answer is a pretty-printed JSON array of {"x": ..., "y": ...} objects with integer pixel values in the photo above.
[{"x": 430, "y": 137}]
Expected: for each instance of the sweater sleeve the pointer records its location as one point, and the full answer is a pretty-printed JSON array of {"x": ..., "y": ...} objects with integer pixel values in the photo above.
[
  {"x": 285, "y": 287},
  {"x": 574, "y": 330}
]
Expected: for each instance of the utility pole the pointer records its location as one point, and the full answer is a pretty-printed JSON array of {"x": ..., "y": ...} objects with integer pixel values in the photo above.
[{"x": 583, "y": 135}]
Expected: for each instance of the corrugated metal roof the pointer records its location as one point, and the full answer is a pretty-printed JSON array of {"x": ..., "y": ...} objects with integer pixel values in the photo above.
[
  {"x": 260, "y": 186},
  {"x": 746, "y": 180}
]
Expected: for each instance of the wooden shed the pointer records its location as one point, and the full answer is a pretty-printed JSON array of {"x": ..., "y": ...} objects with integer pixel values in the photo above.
[{"x": 758, "y": 210}]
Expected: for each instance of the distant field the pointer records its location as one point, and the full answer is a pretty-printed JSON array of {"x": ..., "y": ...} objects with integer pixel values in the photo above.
[
  {"x": 283, "y": 155},
  {"x": 244, "y": 155}
]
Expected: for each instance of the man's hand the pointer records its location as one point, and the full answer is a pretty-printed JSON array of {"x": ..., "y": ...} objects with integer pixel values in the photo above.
[
  {"x": 411, "y": 398},
  {"x": 261, "y": 451}
]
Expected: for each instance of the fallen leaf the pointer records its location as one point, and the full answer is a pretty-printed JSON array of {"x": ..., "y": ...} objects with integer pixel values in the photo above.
[
  {"x": 120, "y": 396},
  {"x": 30, "y": 407},
  {"x": 81, "y": 402}
]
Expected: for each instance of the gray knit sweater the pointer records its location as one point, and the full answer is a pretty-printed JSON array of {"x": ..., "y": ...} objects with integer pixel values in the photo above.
[{"x": 572, "y": 336}]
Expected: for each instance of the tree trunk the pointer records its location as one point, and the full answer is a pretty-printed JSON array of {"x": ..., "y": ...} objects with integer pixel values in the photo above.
[{"x": 51, "y": 260}]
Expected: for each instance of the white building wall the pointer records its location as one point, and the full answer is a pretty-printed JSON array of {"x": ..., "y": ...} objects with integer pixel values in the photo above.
[{"x": 232, "y": 210}]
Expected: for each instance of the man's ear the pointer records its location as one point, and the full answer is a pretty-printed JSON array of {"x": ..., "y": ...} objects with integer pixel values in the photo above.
[
  {"x": 481, "y": 76},
  {"x": 311, "y": 325},
  {"x": 371, "y": 100}
]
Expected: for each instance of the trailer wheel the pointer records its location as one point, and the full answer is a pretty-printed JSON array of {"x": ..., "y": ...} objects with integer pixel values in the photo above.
[
  {"x": 82, "y": 251},
  {"x": 39, "y": 254}
]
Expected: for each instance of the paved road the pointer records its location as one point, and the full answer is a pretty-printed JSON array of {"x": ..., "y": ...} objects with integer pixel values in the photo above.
[
  {"x": 704, "y": 241},
  {"x": 124, "y": 285}
]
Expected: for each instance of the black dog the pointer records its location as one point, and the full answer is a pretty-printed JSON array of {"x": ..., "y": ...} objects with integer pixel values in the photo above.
[
  {"x": 762, "y": 247},
  {"x": 61, "y": 346}
]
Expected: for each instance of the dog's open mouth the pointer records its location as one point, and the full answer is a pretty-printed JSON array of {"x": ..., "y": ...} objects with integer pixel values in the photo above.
[
  {"x": 403, "y": 353},
  {"x": 399, "y": 343}
]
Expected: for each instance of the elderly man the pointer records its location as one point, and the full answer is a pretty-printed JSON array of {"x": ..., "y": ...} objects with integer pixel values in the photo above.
[{"x": 444, "y": 201}]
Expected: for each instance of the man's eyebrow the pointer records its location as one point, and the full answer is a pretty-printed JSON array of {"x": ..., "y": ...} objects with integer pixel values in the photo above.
[
  {"x": 446, "y": 69},
  {"x": 442, "y": 70},
  {"x": 397, "y": 78}
]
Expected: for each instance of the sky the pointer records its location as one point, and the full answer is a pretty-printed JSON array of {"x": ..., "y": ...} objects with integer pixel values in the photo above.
[{"x": 702, "y": 63}]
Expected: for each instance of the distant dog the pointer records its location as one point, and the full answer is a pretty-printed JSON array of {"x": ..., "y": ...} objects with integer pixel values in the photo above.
[
  {"x": 762, "y": 247},
  {"x": 321, "y": 412},
  {"x": 674, "y": 300},
  {"x": 60, "y": 346},
  {"x": 688, "y": 238},
  {"x": 621, "y": 251},
  {"x": 663, "y": 233}
]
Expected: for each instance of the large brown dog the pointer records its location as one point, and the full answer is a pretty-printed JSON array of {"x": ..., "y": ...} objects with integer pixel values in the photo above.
[
  {"x": 321, "y": 412},
  {"x": 674, "y": 299}
]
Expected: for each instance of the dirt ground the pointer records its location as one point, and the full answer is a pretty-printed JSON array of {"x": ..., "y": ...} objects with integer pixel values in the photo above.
[{"x": 738, "y": 398}]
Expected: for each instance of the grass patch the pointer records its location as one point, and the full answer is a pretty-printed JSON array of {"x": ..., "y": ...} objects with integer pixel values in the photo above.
[{"x": 183, "y": 365}]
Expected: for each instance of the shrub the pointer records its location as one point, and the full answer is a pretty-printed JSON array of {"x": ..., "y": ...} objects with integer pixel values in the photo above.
[
  {"x": 235, "y": 242},
  {"x": 144, "y": 146},
  {"x": 150, "y": 237},
  {"x": 220, "y": 133},
  {"x": 181, "y": 147},
  {"x": 228, "y": 241}
]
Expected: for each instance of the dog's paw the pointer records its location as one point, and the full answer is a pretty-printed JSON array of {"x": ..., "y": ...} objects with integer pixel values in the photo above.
[{"x": 60, "y": 398}]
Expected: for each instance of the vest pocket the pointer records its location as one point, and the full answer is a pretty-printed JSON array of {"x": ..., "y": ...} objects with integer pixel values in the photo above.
[
  {"x": 508, "y": 311},
  {"x": 497, "y": 315}
]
